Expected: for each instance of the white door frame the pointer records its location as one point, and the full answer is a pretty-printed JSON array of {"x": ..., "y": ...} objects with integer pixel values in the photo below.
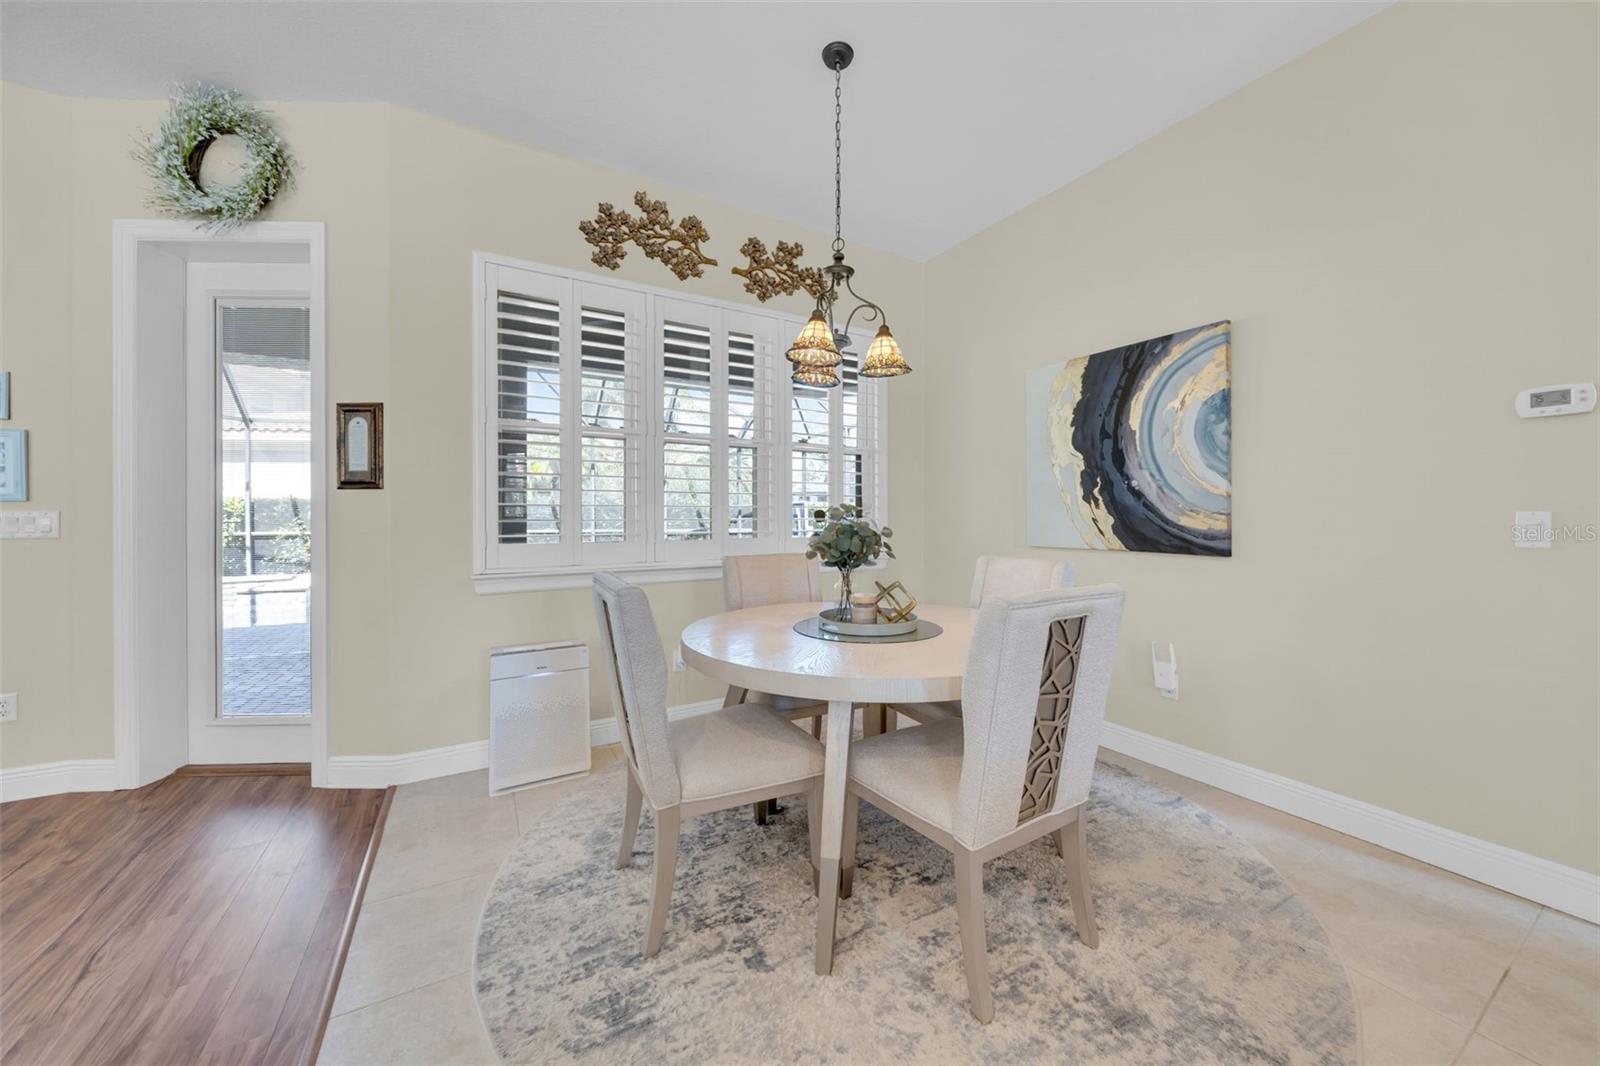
[
  {"x": 185, "y": 239},
  {"x": 213, "y": 738}
]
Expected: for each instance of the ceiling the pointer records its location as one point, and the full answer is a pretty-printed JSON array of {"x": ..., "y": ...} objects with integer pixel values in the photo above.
[{"x": 955, "y": 115}]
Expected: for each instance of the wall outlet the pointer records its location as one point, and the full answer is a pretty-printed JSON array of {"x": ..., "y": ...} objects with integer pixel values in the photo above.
[
  {"x": 677, "y": 661},
  {"x": 8, "y": 707}
]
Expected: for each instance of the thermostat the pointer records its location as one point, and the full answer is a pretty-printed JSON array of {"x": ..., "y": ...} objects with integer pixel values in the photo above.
[{"x": 1556, "y": 400}]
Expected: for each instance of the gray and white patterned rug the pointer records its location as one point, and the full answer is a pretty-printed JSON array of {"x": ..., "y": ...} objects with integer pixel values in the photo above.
[{"x": 1206, "y": 954}]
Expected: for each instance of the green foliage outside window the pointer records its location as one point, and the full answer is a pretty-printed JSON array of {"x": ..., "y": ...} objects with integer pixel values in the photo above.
[{"x": 281, "y": 536}]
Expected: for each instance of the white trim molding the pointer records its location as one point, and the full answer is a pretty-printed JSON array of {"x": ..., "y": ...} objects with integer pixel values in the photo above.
[
  {"x": 52, "y": 778},
  {"x": 1562, "y": 888},
  {"x": 127, "y": 235},
  {"x": 381, "y": 771},
  {"x": 583, "y": 577},
  {"x": 603, "y": 731}
]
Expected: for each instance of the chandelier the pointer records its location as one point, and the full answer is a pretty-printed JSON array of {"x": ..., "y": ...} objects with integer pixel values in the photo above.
[{"x": 815, "y": 353}]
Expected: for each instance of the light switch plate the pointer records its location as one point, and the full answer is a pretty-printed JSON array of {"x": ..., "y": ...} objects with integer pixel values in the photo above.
[
  {"x": 30, "y": 525},
  {"x": 8, "y": 707},
  {"x": 1531, "y": 529}
]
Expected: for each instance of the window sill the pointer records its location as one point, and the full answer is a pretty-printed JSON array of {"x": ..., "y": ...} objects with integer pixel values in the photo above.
[{"x": 575, "y": 577}]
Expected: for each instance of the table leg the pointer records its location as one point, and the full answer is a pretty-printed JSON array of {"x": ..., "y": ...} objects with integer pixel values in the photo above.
[
  {"x": 835, "y": 766},
  {"x": 873, "y": 716}
]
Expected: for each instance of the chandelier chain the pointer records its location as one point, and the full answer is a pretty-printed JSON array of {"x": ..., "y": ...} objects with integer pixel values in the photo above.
[{"x": 838, "y": 170}]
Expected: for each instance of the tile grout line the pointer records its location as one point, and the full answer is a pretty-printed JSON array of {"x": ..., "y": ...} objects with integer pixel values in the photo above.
[
  {"x": 407, "y": 992},
  {"x": 1403, "y": 995},
  {"x": 1515, "y": 955},
  {"x": 424, "y": 888}
]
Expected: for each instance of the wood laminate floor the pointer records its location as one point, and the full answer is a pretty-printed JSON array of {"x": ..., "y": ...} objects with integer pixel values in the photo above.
[{"x": 195, "y": 920}]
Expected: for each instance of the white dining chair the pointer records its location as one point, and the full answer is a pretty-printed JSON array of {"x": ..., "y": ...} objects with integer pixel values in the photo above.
[
  {"x": 1016, "y": 766},
  {"x": 995, "y": 575},
  {"x": 710, "y": 762},
  {"x": 760, "y": 580}
]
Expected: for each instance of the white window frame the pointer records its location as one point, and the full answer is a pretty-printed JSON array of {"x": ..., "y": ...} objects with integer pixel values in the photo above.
[{"x": 645, "y": 556}]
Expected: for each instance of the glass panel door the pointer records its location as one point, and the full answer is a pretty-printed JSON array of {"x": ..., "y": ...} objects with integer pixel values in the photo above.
[{"x": 263, "y": 513}]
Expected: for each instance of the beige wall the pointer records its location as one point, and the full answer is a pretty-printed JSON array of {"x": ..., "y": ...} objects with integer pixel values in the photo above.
[
  {"x": 1402, "y": 227},
  {"x": 406, "y": 199}
]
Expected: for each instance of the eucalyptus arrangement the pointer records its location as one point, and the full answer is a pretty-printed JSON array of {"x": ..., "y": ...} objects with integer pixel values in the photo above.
[{"x": 843, "y": 539}]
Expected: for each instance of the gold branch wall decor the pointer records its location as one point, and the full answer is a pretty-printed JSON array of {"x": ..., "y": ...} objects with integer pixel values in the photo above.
[
  {"x": 779, "y": 273},
  {"x": 677, "y": 246}
]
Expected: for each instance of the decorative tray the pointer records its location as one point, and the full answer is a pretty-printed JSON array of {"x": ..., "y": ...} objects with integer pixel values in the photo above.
[
  {"x": 811, "y": 626},
  {"x": 831, "y": 623}
]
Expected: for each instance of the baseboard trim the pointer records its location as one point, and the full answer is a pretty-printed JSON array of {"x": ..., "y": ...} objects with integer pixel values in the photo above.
[
  {"x": 381, "y": 771},
  {"x": 52, "y": 778},
  {"x": 1563, "y": 888},
  {"x": 604, "y": 731}
]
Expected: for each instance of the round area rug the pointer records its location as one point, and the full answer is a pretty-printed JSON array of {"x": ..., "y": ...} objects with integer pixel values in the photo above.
[{"x": 1206, "y": 954}]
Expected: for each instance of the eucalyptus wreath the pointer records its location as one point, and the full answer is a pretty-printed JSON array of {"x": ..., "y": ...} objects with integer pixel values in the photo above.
[{"x": 198, "y": 116}]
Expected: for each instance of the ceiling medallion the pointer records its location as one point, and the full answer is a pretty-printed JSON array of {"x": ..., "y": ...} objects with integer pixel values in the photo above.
[{"x": 815, "y": 352}]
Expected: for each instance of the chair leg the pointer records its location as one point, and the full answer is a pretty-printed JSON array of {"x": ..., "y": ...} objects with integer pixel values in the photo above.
[
  {"x": 847, "y": 847},
  {"x": 666, "y": 863},
  {"x": 974, "y": 948},
  {"x": 736, "y": 696},
  {"x": 1070, "y": 842},
  {"x": 630, "y": 820}
]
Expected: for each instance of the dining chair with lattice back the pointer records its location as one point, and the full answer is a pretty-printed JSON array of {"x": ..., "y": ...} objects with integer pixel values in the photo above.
[
  {"x": 710, "y": 762},
  {"x": 1016, "y": 766},
  {"x": 995, "y": 575}
]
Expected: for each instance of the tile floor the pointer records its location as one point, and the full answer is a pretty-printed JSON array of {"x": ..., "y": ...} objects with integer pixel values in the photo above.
[{"x": 1445, "y": 970}]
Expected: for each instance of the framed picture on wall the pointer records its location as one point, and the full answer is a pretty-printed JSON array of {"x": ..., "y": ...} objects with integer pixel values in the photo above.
[
  {"x": 13, "y": 465},
  {"x": 361, "y": 446}
]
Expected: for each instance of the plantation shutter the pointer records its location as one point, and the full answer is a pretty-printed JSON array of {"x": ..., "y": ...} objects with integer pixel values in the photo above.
[
  {"x": 688, "y": 397},
  {"x": 529, "y": 326},
  {"x": 753, "y": 368},
  {"x": 860, "y": 434},
  {"x": 624, "y": 428},
  {"x": 809, "y": 417},
  {"x": 610, "y": 424}
]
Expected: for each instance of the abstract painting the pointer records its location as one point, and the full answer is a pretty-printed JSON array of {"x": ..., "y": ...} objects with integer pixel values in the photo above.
[{"x": 1128, "y": 449}]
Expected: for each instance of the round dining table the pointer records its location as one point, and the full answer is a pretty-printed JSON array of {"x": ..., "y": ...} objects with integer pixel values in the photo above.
[{"x": 758, "y": 650}]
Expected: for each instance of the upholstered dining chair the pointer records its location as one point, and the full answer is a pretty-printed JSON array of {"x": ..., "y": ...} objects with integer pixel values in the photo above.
[
  {"x": 995, "y": 575},
  {"x": 759, "y": 580},
  {"x": 1016, "y": 766},
  {"x": 711, "y": 762}
]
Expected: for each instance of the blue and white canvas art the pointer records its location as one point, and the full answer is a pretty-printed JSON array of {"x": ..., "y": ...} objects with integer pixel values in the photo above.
[{"x": 1130, "y": 450}]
